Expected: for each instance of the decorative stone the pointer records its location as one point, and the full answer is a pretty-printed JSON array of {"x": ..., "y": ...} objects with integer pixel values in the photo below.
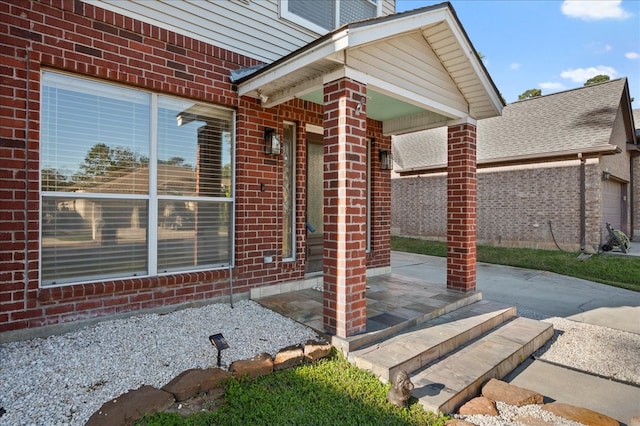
[
  {"x": 579, "y": 414},
  {"x": 497, "y": 390},
  {"x": 457, "y": 422},
  {"x": 192, "y": 382},
  {"x": 131, "y": 406},
  {"x": 400, "y": 391},
  {"x": 316, "y": 349},
  {"x": 288, "y": 357},
  {"x": 260, "y": 365},
  {"x": 533, "y": 421},
  {"x": 480, "y": 405}
]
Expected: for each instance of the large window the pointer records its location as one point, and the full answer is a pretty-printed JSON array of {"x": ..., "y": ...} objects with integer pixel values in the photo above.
[
  {"x": 132, "y": 183},
  {"x": 322, "y": 16}
]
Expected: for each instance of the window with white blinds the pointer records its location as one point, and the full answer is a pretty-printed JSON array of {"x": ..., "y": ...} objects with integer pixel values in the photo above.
[
  {"x": 322, "y": 16},
  {"x": 132, "y": 183}
]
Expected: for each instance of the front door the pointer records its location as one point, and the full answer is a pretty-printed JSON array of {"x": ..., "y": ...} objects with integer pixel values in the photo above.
[{"x": 315, "y": 200}]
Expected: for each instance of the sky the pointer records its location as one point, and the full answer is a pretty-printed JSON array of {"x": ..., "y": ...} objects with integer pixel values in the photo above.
[{"x": 551, "y": 45}]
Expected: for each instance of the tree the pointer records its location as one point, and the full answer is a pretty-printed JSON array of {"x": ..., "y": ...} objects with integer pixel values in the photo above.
[
  {"x": 102, "y": 162},
  {"x": 597, "y": 79},
  {"x": 528, "y": 94}
]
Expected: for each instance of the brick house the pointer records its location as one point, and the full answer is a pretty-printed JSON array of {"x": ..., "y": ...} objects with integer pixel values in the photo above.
[
  {"x": 551, "y": 169},
  {"x": 156, "y": 156}
]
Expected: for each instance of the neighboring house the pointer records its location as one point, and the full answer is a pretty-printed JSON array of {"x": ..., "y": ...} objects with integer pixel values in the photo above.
[
  {"x": 551, "y": 169},
  {"x": 156, "y": 154}
]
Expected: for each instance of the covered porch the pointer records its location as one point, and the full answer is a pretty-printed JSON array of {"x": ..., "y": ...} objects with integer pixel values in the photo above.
[{"x": 405, "y": 72}]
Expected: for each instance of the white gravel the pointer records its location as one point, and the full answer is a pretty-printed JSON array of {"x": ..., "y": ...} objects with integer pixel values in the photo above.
[{"x": 64, "y": 379}]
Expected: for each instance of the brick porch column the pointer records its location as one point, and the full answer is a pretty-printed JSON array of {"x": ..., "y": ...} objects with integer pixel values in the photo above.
[
  {"x": 345, "y": 192},
  {"x": 461, "y": 207}
]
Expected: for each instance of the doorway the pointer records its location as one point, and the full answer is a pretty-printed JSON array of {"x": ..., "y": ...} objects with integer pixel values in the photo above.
[{"x": 314, "y": 203}]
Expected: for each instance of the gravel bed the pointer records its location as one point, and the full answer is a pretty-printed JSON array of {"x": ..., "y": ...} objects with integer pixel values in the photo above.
[{"x": 64, "y": 379}]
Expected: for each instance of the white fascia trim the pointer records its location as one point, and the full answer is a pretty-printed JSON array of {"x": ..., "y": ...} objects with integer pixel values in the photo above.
[
  {"x": 474, "y": 61},
  {"x": 373, "y": 33},
  {"x": 338, "y": 42}
]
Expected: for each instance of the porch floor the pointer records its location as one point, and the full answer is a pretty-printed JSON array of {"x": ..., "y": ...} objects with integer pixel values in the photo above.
[{"x": 394, "y": 302}]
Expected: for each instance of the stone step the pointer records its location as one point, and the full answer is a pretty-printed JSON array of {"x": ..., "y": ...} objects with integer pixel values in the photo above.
[
  {"x": 453, "y": 380},
  {"x": 358, "y": 341},
  {"x": 414, "y": 348}
]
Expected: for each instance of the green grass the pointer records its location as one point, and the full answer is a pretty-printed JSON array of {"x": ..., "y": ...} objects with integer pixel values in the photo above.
[
  {"x": 328, "y": 392},
  {"x": 618, "y": 271}
]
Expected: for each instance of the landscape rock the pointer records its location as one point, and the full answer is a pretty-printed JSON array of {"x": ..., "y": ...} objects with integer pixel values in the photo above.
[
  {"x": 260, "y": 365},
  {"x": 288, "y": 357},
  {"x": 480, "y": 405},
  {"x": 457, "y": 422},
  {"x": 498, "y": 390},
  {"x": 580, "y": 415},
  {"x": 131, "y": 406},
  {"x": 634, "y": 421},
  {"x": 533, "y": 421},
  {"x": 195, "y": 381},
  {"x": 316, "y": 349}
]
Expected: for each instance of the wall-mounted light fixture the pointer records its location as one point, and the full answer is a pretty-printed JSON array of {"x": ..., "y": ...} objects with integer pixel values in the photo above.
[
  {"x": 361, "y": 102},
  {"x": 271, "y": 141},
  {"x": 386, "y": 160},
  {"x": 606, "y": 175}
]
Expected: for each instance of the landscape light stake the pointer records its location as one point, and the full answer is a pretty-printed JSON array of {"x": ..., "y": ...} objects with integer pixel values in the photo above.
[{"x": 218, "y": 341}]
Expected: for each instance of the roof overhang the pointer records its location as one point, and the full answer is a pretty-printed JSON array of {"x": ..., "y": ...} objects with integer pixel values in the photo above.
[
  {"x": 593, "y": 152},
  {"x": 420, "y": 69}
]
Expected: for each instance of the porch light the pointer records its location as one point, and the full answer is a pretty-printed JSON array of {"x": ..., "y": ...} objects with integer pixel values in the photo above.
[
  {"x": 271, "y": 142},
  {"x": 606, "y": 175},
  {"x": 218, "y": 342},
  {"x": 386, "y": 160}
]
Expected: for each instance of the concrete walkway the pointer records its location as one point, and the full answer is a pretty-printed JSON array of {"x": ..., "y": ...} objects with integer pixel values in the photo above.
[{"x": 542, "y": 295}]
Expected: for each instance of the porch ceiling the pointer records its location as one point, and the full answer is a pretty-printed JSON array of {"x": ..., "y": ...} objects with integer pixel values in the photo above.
[{"x": 420, "y": 68}]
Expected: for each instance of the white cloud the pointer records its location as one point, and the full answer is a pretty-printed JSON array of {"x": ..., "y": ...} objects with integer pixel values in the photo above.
[
  {"x": 551, "y": 86},
  {"x": 580, "y": 75},
  {"x": 592, "y": 10},
  {"x": 632, "y": 55},
  {"x": 515, "y": 66}
]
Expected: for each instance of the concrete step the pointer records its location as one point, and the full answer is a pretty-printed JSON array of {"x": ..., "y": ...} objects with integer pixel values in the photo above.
[
  {"x": 451, "y": 381},
  {"x": 416, "y": 347}
]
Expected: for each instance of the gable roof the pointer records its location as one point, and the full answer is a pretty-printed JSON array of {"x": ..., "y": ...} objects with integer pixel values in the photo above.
[
  {"x": 420, "y": 68},
  {"x": 550, "y": 127}
]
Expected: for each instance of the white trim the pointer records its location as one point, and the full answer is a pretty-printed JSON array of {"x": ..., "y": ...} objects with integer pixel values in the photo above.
[
  {"x": 463, "y": 120},
  {"x": 312, "y": 128}
]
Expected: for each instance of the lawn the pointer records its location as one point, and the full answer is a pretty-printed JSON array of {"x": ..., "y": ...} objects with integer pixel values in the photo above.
[
  {"x": 328, "y": 392},
  {"x": 618, "y": 271}
]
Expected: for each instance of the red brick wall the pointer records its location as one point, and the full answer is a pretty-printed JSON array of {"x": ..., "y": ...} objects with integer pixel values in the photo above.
[
  {"x": 85, "y": 40},
  {"x": 514, "y": 207}
]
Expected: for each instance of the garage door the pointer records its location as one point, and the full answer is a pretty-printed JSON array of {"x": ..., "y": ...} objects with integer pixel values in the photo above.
[{"x": 614, "y": 205}]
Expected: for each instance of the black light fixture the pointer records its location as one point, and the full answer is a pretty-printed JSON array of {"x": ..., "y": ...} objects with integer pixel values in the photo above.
[
  {"x": 271, "y": 141},
  {"x": 386, "y": 160},
  {"x": 218, "y": 342}
]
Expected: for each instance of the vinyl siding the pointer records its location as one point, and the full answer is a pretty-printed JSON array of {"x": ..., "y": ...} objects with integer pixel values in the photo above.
[{"x": 248, "y": 27}]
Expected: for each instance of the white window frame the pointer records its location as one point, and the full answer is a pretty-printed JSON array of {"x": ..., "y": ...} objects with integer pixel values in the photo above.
[
  {"x": 297, "y": 19},
  {"x": 151, "y": 197}
]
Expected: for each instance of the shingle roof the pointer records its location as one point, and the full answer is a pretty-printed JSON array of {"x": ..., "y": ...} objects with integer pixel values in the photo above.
[{"x": 573, "y": 120}]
